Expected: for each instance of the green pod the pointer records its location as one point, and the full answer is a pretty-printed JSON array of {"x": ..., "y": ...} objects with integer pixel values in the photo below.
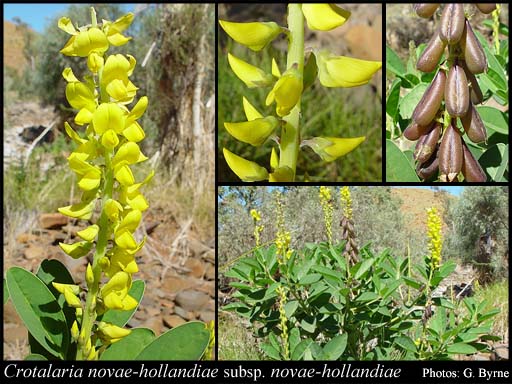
[
  {"x": 429, "y": 104},
  {"x": 429, "y": 168},
  {"x": 450, "y": 154},
  {"x": 456, "y": 93},
  {"x": 432, "y": 54},
  {"x": 473, "y": 52},
  {"x": 414, "y": 131},
  {"x": 425, "y": 10},
  {"x": 471, "y": 169},
  {"x": 473, "y": 125},
  {"x": 452, "y": 23},
  {"x": 474, "y": 89},
  {"x": 486, "y": 7},
  {"x": 427, "y": 144}
]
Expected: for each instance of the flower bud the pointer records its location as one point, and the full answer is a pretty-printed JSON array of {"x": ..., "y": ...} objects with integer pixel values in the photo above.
[
  {"x": 89, "y": 275},
  {"x": 274, "y": 159},
  {"x": 72, "y": 299},
  {"x": 246, "y": 170},
  {"x": 254, "y": 132},
  {"x": 252, "y": 76},
  {"x": 324, "y": 17},
  {"x": 342, "y": 71},
  {"x": 109, "y": 331},
  {"x": 74, "y": 331},
  {"x": 255, "y": 35},
  {"x": 89, "y": 233},
  {"x": 330, "y": 148},
  {"x": 76, "y": 250},
  {"x": 250, "y": 111},
  {"x": 286, "y": 92},
  {"x": 61, "y": 287}
]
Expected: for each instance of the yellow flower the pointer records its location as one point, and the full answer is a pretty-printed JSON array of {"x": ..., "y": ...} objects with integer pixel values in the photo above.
[
  {"x": 255, "y": 35},
  {"x": 342, "y": 71},
  {"x": 76, "y": 250},
  {"x": 324, "y": 17},
  {"x": 85, "y": 42},
  {"x": 250, "y": 111},
  {"x": 435, "y": 238},
  {"x": 346, "y": 202},
  {"x": 255, "y": 215},
  {"x": 286, "y": 92},
  {"x": 78, "y": 211},
  {"x": 246, "y": 170},
  {"x": 252, "y": 76},
  {"x": 111, "y": 333},
  {"x": 331, "y": 148},
  {"x": 254, "y": 132},
  {"x": 114, "y": 29},
  {"x": 115, "y": 292}
]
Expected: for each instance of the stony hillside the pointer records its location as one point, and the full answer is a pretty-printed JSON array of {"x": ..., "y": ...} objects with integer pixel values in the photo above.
[{"x": 14, "y": 42}]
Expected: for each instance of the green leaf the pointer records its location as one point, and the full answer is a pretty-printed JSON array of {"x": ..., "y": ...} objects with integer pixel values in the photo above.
[
  {"x": 290, "y": 307},
  {"x": 6, "y": 292},
  {"x": 406, "y": 343},
  {"x": 35, "y": 357},
  {"x": 119, "y": 317},
  {"x": 328, "y": 273},
  {"x": 367, "y": 296},
  {"x": 298, "y": 351},
  {"x": 39, "y": 310},
  {"x": 494, "y": 119},
  {"x": 310, "y": 279},
  {"x": 270, "y": 351},
  {"x": 461, "y": 348},
  {"x": 495, "y": 161},
  {"x": 130, "y": 346},
  {"x": 335, "y": 347},
  {"x": 294, "y": 338},
  {"x": 185, "y": 342},
  {"x": 390, "y": 289},
  {"x": 308, "y": 324},
  {"x": 409, "y": 102},
  {"x": 398, "y": 167},
  {"x": 393, "y": 99},
  {"x": 364, "y": 267},
  {"x": 393, "y": 62}
]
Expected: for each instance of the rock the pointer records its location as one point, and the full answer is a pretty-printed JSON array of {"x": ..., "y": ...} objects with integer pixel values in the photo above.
[
  {"x": 188, "y": 315},
  {"x": 172, "y": 321},
  {"x": 208, "y": 287},
  {"x": 500, "y": 352},
  {"x": 210, "y": 272},
  {"x": 154, "y": 323},
  {"x": 196, "y": 246},
  {"x": 34, "y": 252},
  {"x": 192, "y": 300},
  {"x": 25, "y": 238},
  {"x": 152, "y": 311},
  {"x": 206, "y": 316},
  {"x": 52, "y": 220},
  {"x": 174, "y": 284},
  {"x": 197, "y": 267},
  {"x": 14, "y": 333}
]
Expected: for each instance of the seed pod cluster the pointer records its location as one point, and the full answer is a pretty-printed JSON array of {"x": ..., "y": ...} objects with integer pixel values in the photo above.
[{"x": 452, "y": 94}]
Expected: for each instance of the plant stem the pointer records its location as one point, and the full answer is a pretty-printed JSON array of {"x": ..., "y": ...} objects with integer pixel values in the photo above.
[{"x": 290, "y": 133}]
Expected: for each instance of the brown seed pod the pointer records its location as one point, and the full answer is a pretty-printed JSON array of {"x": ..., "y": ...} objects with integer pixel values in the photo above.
[
  {"x": 472, "y": 50},
  {"x": 476, "y": 93},
  {"x": 486, "y": 7},
  {"x": 427, "y": 144},
  {"x": 432, "y": 54},
  {"x": 414, "y": 131},
  {"x": 429, "y": 168},
  {"x": 429, "y": 104},
  {"x": 456, "y": 93},
  {"x": 425, "y": 10},
  {"x": 473, "y": 125},
  {"x": 471, "y": 169},
  {"x": 450, "y": 154},
  {"x": 452, "y": 23}
]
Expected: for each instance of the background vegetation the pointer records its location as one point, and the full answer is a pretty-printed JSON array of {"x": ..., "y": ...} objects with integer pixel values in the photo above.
[{"x": 379, "y": 219}]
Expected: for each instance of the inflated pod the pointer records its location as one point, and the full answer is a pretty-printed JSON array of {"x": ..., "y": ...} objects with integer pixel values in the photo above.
[
  {"x": 456, "y": 93},
  {"x": 429, "y": 104},
  {"x": 427, "y": 144},
  {"x": 450, "y": 154},
  {"x": 429, "y": 168},
  {"x": 486, "y": 7},
  {"x": 473, "y": 52},
  {"x": 473, "y": 125},
  {"x": 414, "y": 131},
  {"x": 426, "y": 9},
  {"x": 471, "y": 169},
  {"x": 432, "y": 54},
  {"x": 475, "y": 92},
  {"x": 452, "y": 23}
]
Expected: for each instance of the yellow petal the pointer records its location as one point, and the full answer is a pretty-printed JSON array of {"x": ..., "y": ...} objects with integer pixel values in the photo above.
[
  {"x": 120, "y": 284},
  {"x": 69, "y": 76},
  {"x": 117, "y": 90},
  {"x": 124, "y": 175},
  {"x": 67, "y": 26},
  {"x": 275, "y": 69},
  {"x": 61, "y": 287},
  {"x": 324, "y": 17},
  {"x": 254, "y": 132},
  {"x": 116, "y": 67},
  {"x": 129, "y": 303},
  {"x": 84, "y": 116},
  {"x": 78, "y": 211},
  {"x": 134, "y": 132},
  {"x": 109, "y": 139},
  {"x": 246, "y": 170},
  {"x": 112, "y": 209},
  {"x": 89, "y": 233},
  {"x": 252, "y": 76},
  {"x": 80, "y": 96},
  {"x": 129, "y": 153},
  {"x": 121, "y": 23},
  {"x": 89, "y": 274},
  {"x": 286, "y": 92},
  {"x": 108, "y": 116},
  {"x": 283, "y": 174},
  {"x": 95, "y": 61},
  {"x": 76, "y": 250},
  {"x": 72, "y": 134},
  {"x": 118, "y": 39},
  {"x": 92, "y": 40},
  {"x": 124, "y": 239},
  {"x": 72, "y": 299},
  {"x": 131, "y": 221},
  {"x": 255, "y": 35},
  {"x": 91, "y": 180},
  {"x": 78, "y": 164},
  {"x": 342, "y": 71},
  {"x": 250, "y": 111},
  {"x": 110, "y": 331},
  {"x": 138, "y": 110},
  {"x": 330, "y": 148},
  {"x": 274, "y": 159}
]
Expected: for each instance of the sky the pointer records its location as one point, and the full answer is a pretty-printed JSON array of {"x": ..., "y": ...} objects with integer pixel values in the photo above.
[
  {"x": 456, "y": 191},
  {"x": 38, "y": 15}
]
